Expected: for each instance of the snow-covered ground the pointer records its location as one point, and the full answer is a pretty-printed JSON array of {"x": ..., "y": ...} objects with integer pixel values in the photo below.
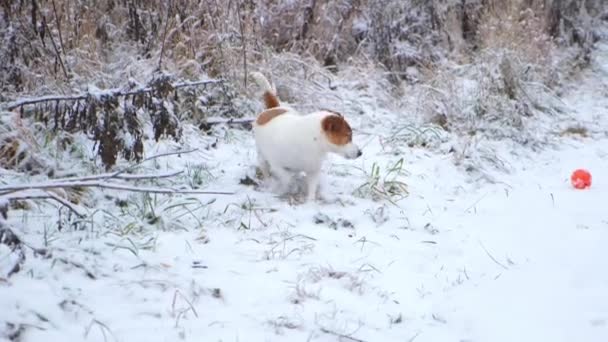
[{"x": 522, "y": 259}]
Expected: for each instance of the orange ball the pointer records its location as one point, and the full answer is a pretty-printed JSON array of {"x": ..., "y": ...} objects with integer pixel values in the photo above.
[{"x": 581, "y": 179}]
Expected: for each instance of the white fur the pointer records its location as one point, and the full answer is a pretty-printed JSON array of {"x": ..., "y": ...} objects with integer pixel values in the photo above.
[
  {"x": 292, "y": 142},
  {"x": 261, "y": 81}
]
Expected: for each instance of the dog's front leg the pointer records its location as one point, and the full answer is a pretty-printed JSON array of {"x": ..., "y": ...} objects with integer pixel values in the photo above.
[
  {"x": 312, "y": 183},
  {"x": 264, "y": 167},
  {"x": 283, "y": 176}
]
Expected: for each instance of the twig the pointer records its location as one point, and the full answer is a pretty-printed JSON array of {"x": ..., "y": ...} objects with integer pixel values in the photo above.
[
  {"x": 117, "y": 175},
  {"x": 105, "y": 185},
  {"x": 243, "y": 122},
  {"x": 109, "y": 92},
  {"x": 46, "y": 27},
  {"x": 491, "y": 257},
  {"x": 66, "y": 204},
  {"x": 37, "y": 190},
  {"x": 162, "y": 47},
  {"x": 243, "y": 43},
  {"x": 341, "y": 336},
  {"x": 47, "y": 195},
  {"x": 156, "y": 156},
  {"x": 217, "y": 121},
  {"x": 166, "y": 154},
  {"x": 58, "y": 20}
]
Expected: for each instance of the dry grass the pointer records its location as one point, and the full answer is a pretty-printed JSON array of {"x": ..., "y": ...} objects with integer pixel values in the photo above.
[
  {"x": 516, "y": 25},
  {"x": 350, "y": 55},
  {"x": 112, "y": 41},
  {"x": 19, "y": 149},
  {"x": 576, "y": 130}
]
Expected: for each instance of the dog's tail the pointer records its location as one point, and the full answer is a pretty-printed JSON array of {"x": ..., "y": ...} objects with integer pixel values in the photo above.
[{"x": 270, "y": 98}]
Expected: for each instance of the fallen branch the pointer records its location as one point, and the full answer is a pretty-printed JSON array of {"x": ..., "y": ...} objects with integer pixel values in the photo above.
[
  {"x": 205, "y": 126},
  {"x": 111, "y": 92},
  {"x": 156, "y": 156},
  {"x": 34, "y": 191},
  {"x": 216, "y": 121},
  {"x": 7, "y": 189},
  {"x": 34, "y": 195},
  {"x": 119, "y": 176}
]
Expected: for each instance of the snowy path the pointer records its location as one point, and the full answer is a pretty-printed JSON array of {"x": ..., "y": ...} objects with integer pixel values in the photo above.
[{"x": 525, "y": 259}]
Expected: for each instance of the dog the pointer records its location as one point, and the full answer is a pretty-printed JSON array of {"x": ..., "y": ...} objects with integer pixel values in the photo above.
[{"x": 287, "y": 141}]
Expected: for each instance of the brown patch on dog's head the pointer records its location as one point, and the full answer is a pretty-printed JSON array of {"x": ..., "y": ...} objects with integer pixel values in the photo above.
[
  {"x": 269, "y": 114},
  {"x": 337, "y": 130},
  {"x": 271, "y": 100}
]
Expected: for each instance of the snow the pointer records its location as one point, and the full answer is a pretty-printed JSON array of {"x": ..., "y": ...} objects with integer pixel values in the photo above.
[{"x": 521, "y": 259}]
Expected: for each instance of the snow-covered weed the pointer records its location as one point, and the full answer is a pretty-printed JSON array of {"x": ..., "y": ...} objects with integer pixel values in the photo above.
[
  {"x": 285, "y": 244},
  {"x": 283, "y": 322},
  {"x": 384, "y": 183},
  {"x": 198, "y": 175},
  {"x": 412, "y": 135},
  {"x": 19, "y": 147},
  {"x": 142, "y": 212},
  {"x": 245, "y": 215},
  {"x": 310, "y": 284}
]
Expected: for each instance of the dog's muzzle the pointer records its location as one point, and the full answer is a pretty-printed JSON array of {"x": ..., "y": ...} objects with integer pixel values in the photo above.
[{"x": 353, "y": 152}]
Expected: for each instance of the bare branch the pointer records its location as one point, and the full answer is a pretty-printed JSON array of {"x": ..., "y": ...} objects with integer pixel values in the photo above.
[
  {"x": 219, "y": 121},
  {"x": 58, "y": 20},
  {"x": 34, "y": 194},
  {"x": 7, "y": 189},
  {"x": 38, "y": 190},
  {"x": 162, "y": 48},
  {"x": 156, "y": 156},
  {"x": 118, "y": 175},
  {"x": 111, "y": 92},
  {"x": 57, "y": 53},
  {"x": 216, "y": 121}
]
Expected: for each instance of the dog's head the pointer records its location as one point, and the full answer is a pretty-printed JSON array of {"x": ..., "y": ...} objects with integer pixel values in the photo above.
[{"x": 339, "y": 136}]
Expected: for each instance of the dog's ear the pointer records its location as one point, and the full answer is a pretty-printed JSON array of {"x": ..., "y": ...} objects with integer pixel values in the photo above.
[
  {"x": 332, "y": 123},
  {"x": 337, "y": 130}
]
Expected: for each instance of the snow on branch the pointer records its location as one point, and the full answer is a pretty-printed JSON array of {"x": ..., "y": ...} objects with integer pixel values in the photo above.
[
  {"x": 44, "y": 190},
  {"x": 7, "y": 189},
  {"x": 105, "y": 93}
]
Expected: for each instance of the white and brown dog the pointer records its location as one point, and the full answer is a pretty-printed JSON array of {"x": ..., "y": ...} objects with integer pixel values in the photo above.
[{"x": 289, "y": 142}]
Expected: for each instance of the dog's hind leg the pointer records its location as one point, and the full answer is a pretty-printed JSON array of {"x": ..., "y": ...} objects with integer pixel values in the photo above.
[
  {"x": 312, "y": 182},
  {"x": 263, "y": 165}
]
